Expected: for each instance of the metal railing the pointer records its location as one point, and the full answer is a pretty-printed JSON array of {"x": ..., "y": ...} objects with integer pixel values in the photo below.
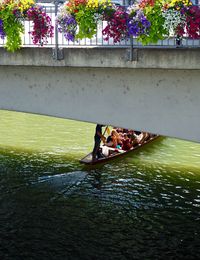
[{"x": 59, "y": 41}]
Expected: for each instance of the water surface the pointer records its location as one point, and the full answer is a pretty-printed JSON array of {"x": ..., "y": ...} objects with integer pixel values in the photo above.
[{"x": 145, "y": 206}]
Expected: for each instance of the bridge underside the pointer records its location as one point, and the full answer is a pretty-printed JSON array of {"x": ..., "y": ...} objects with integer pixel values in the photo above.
[{"x": 161, "y": 101}]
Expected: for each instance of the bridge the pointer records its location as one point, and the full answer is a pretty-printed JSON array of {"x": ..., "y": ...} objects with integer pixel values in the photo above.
[
  {"x": 154, "y": 88},
  {"x": 150, "y": 89}
]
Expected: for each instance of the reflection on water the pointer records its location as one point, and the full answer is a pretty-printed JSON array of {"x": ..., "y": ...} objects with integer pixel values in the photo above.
[{"x": 146, "y": 206}]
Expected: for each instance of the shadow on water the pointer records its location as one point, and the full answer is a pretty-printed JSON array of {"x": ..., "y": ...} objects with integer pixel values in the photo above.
[{"x": 136, "y": 207}]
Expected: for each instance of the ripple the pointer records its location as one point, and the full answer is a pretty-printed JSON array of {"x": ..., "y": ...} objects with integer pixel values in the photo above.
[{"x": 145, "y": 206}]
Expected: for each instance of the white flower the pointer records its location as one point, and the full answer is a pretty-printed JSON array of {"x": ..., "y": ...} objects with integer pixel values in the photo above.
[{"x": 172, "y": 19}]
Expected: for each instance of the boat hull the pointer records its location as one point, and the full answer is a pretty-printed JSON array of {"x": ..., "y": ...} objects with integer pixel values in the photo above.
[{"x": 88, "y": 158}]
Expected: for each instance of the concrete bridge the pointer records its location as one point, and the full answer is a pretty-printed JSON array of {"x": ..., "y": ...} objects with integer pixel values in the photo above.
[{"x": 157, "y": 91}]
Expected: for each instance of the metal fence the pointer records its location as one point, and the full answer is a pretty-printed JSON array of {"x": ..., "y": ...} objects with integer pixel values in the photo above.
[{"x": 98, "y": 40}]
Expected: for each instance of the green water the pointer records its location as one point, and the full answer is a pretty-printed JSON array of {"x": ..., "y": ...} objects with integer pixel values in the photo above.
[{"x": 145, "y": 206}]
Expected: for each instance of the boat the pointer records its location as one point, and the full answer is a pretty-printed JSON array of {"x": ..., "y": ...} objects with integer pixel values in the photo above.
[{"x": 115, "y": 153}]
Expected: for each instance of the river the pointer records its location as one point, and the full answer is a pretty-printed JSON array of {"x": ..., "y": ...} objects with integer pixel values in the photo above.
[{"x": 144, "y": 206}]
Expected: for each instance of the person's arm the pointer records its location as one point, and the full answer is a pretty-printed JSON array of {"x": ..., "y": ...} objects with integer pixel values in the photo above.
[{"x": 102, "y": 136}]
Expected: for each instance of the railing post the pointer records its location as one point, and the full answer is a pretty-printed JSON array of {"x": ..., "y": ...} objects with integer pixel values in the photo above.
[
  {"x": 132, "y": 54},
  {"x": 131, "y": 49},
  {"x": 178, "y": 41},
  {"x": 57, "y": 52}
]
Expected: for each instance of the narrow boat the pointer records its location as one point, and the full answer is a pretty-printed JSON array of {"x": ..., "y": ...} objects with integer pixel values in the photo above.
[{"x": 115, "y": 153}]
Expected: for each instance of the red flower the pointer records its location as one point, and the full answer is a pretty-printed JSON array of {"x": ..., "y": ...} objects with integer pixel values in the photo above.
[
  {"x": 193, "y": 22},
  {"x": 145, "y": 3}
]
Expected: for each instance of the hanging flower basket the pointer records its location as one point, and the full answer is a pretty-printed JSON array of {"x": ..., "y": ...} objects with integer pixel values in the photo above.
[
  {"x": 12, "y": 15},
  {"x": 147, "y": 20},
  {"x": 78, "y": 19}
]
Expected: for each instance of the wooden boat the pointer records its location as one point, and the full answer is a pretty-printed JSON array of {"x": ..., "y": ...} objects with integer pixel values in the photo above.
[{"x": 115, "y": 153}]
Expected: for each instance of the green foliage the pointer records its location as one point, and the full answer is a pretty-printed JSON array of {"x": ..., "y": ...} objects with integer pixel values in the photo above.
[
  {"x": 157, "y": 31},
  {"x": 13, "y": 28},
  {"x": 86, "y": 23}
]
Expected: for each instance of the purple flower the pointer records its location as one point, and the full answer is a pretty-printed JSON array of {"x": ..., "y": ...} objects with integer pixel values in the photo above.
[
  {"x": 69, "y": 36},
  {"x": 138, "y": 24},
  {"x": 71, "y": 20},
  {"x": 2, "y": 33},
  {"x": 145, "y": 22},
  {"x": 67, "y": 25},
  {"x": 134, "y": 30}
]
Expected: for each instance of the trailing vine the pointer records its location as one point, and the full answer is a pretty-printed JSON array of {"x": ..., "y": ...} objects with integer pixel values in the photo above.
[{"x": 12, "y": 28}]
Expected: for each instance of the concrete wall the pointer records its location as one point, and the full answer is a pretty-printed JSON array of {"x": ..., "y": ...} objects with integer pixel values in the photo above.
[
  {"x": 94, "y": 57},
  {"x": 161, "y": 100},
  {"x": 148, "y": 58}
]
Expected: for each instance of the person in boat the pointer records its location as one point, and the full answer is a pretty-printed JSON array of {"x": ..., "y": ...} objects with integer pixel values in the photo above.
[
  {"x": 143, "y": 137},
  {"x": 133, "y": 138},
  {"x": 113, "y": 139},
  {"x": 96, "y": 153},
  {"x": 109, "y": 141},
  {"x": 137, "y": 132},
  {"x": 113, "y": 143},
  {"x": 126, "y": 143}
]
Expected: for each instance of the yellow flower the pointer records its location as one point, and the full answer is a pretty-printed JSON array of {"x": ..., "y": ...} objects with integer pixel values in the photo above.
[{"x": 96, "y": 3}]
